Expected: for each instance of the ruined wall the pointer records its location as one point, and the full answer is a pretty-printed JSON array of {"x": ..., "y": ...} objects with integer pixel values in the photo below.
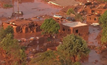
[
  {"x": 95, "y": 10},
  {"x": 92, "y": 19},
  {"x": 5, "y": 25},
  {"x": 28, "y": 28}
]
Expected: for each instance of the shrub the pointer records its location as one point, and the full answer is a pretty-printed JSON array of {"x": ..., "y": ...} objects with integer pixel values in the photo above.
[
  {"x": 7, "y": 5},
  {"x": 69, "y": 11}
]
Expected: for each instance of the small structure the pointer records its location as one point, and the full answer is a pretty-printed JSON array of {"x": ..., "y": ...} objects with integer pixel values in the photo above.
[{"x": 77, "y": 28}]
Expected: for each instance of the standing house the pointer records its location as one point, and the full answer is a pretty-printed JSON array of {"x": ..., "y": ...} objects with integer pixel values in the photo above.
[{"x": 77, "y": 28}]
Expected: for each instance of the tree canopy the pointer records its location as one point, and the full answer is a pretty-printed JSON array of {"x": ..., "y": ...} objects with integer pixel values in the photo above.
[
  {"x": 103, "y": 24},
  {"x": 4, "y": 32},
  {"x": 50, "y": 26},
  {"x": 73, "y": 47},
  {"x": 11, "y": 46}
]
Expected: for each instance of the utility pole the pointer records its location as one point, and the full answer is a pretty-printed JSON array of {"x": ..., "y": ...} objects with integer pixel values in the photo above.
[
  {"x": 18, "y": 7},
  {"x": 13, "y": 6}
]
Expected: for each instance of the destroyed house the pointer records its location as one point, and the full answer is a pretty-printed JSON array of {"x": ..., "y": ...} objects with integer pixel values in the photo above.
[
  {"x": 92, "y": 19},
  {"x": 93, "y": 14},
  {"x": 96, "y": 11},
  {"x": 77, "y": 28},
  {"x": 23, "y": 26}
]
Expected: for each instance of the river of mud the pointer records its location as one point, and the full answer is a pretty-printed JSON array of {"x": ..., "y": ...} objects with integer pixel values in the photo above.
[
  {"x": 94, "y": 57},
  {"x": 30, "y": 8}
]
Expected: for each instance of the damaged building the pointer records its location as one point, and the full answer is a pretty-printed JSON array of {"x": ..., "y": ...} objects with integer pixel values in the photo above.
[
  {"x": 92, "y": 11},
  {"x": 23, "y": 26}
]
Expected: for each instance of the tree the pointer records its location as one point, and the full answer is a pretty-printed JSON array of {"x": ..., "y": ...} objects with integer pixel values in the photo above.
[
  {"x": 2, "y": 35},
  {"x": 50, "y": 26},
  {"x": 11, "y": 46},
  {"x": 73, "y": 48},
  {"x": 8, "y": 30},
  {"x": 45, "y": 58},
  {"x": 4, "y": 32},
  {"x": 103, "y": 24}
]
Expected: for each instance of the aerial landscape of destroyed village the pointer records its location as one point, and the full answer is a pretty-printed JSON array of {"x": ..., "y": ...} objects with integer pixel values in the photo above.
[{"x": 53, "y": 32}]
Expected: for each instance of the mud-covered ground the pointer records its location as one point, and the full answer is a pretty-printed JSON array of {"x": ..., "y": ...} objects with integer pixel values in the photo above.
[
  {"x": 94, "y": 57},
  {"x": 32, "y": 8}
]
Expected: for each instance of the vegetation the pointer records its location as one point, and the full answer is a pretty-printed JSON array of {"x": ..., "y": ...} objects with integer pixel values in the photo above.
[
  {"x": 46, "y": 58},
  {"x": 11, "y": 46},
  {"x": 7, "y": 5},
  {"x": 4, "y": 32},
  {"x": 50, "y": 27},
  {"x": 73, "y": 49},
  {"x": 69, "y": 11},
  {"x": 103, "y": 24}
]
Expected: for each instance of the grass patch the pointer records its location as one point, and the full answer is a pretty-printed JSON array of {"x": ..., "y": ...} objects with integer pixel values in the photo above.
[{"x": 7, "y": 5}]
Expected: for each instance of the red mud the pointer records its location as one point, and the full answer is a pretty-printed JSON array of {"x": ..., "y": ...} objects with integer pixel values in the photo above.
[
  {"x": 30, "y": 9},
  {"x": 34, "y": 8}
]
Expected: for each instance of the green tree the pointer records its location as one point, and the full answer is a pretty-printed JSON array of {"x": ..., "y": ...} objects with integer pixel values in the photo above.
[
  {"x": 8, "y": 30},
  {"x": 74, "y": 48},
  {"x": 103, "y": 24},
  {"x": 11, "y": 46},
  {"x": 50, "y": 26},
  {"x": 8, "y": 41},
  {"x": 69, "y": 11},
  {"x": 45, "y": 58},
  {"x": 4, "y": 32}
]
